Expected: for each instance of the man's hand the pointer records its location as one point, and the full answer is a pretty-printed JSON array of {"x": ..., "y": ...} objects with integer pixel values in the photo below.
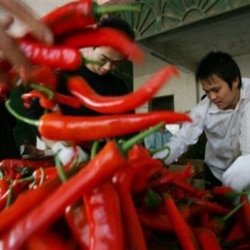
[
  {"x": 8, "y": 44},
  {"x": 237, "y": 176},
  {"x": 66, "y": 153}
]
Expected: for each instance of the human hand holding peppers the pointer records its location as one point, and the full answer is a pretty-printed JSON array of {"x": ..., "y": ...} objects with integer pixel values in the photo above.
[{"x": 9, "y": 45}]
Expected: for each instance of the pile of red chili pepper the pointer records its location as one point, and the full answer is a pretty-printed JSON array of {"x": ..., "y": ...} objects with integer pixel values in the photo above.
[{"x": 122, "y": 198}]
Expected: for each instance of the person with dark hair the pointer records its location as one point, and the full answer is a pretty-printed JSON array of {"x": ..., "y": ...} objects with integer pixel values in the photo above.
[
  {"x": 224, "y": 116},
  {"x": 99, "y": 76}
]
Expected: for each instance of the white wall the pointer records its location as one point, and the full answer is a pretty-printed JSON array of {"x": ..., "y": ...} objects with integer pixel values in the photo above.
[{"x": 184, "y": 89}]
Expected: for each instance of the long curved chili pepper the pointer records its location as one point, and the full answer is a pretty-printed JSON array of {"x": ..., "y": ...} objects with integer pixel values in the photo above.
[
  {"x": 106, "y": 162},
  {"x": 47, "y": 240},
  {"x": 44, "y": 75},
  {"x": 218, "y": 224},
  {"x": 158, "y": 221},
  {"x": 62, "y": 57},
  {"x": 44, "y": 100},
  {"x": 123, "y": 180},
  {"x": 104, "y": 36},
  {"x": 84, "y": 128},
  {"x": 246, "y": 212},
  {"x": 21, "y": 163},
  {"x": 206, "y": 238},
  {"x": 119, "y": 104},
  {"x": 237, "y": 232},
  {"x": 225, "y": 194},
  {"x": 103, "y": 212},
  {"x": 67, "y": 100},
  {"x": 180, "y": 226},
  {"x": 79, "y": 14},
  {"x": 75, "y": 216}
]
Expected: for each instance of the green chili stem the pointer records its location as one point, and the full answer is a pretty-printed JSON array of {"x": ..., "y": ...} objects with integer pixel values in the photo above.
[
  {"x": 19, "y": 117},
  {"x": 125, "y": 146},
  {"x": 94, "y": 148},
  {"x": 100, "y": 9},
  {"x": 152, "y": 152},
  {"x": 59, "y": 167},
  {"x": 44, "y": 89},
  {"x": 232, "y": 212},
  {"x": 9, "y": 199}
]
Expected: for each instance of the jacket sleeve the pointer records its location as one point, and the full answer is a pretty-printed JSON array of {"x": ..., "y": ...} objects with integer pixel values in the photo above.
[{"x": 187, "y": 135}]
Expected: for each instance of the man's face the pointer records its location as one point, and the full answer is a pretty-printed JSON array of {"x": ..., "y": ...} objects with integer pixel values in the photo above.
[
  {"x": 218, "y": 91},
  {"x": 109, "y": 59}
]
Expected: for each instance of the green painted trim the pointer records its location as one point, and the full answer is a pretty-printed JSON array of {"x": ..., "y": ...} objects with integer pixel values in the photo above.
[{"x": 159, "y": 16}]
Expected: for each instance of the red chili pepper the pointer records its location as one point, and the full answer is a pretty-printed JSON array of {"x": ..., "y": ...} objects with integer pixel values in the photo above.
[
  {"x": 62, "y": 57},
  {"x": 67, "y": 100},
  {"x": 138, "y": 151},
  {"x": 150, "y": 167},
  {"x": 246, "y": 212},
  {"x": 163, "y": 182},
  {"x": 25, "y": 202},
  {"x": 4, "y": 91},
  {"x": 188, "y": 189},
  {"x": 225, "y": 194},
  {"x": 158, "y": 221},
  {"x": 103, "y": 211},
  {"x": 41, "y": 175},
  {"x": 85, "y": 128},
  {"x": 218, "y": 224},
  {"x": 206, "y": 238},
  {"x": 21, "y": 163},
  {"x": 79, "y": 14},
  {"x": 210, "y": 206},
  {"x": 180, "y": 227},
  {"x": 46, "y": 240},
  {"x": 4, "y": 186},
  {"x": 44, "y": 75},
  {"x": 44, "y": 100},
  {"x": 121, "y": 104},
  {"x": 104, "y": 36},
  {"x": 78, "y": 224},
  {"x": 237, "y": 232},
  {"x": 123, "y": 180},
  {"x": 101, "y": 167}
]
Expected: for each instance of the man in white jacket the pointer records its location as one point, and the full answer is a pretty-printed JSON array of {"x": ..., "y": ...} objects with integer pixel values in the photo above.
[{"x": 224, "y": 116}]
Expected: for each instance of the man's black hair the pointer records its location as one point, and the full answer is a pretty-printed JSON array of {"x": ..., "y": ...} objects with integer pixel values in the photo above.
[
  {"x": 220, "y": 64},
  {"x": 117, "y": 23}
]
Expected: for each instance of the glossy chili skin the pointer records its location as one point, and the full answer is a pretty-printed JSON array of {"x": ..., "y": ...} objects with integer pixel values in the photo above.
[
  {"x": 73, "y": 15},
  {"x": 21, "y": 163},
  {"x": 25, "y": 202},
  {"x": 246, "y": 212},
  {"x": 103, "y": 211},
  {"x": 105, "y": 36},
  {"x": 44, "y": 101},
  {"x": 47, "y": 240},
  {"x": 180, "y": 226},
  {"x": 122, "y": 104},
  {"x": 206, "y": 238},
  {"x": 83, "y": 128},
  {"x": 103, "y": 165},
  {"x": 55, "y": 56},
  {"x": 123, "y": 180},
  {"x": 76, "y": 219}
]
